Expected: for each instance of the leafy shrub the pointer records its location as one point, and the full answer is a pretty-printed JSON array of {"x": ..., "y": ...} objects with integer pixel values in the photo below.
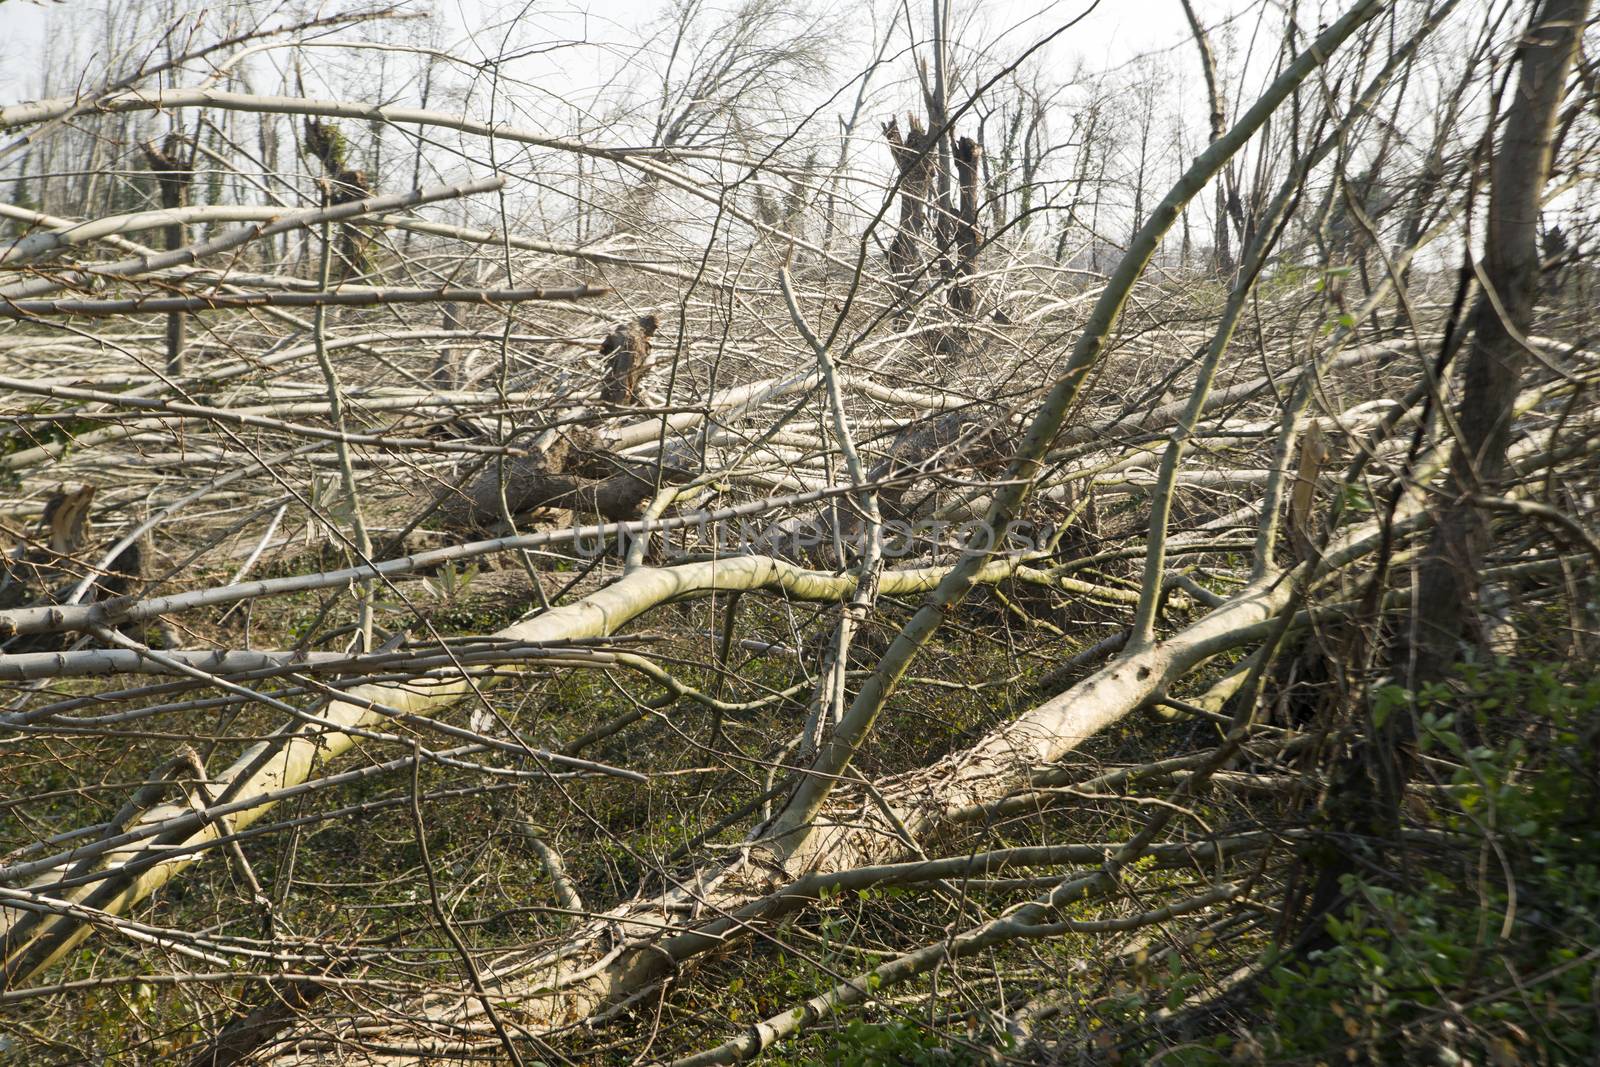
[
  {"x": 896, "y": 1044},
  {"x": 1496, "y": 958}
]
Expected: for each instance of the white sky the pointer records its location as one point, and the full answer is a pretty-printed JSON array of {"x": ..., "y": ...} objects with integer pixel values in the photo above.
[
  {"x": 1114, "y": 32},
  {"x": 553, "y": 88}
]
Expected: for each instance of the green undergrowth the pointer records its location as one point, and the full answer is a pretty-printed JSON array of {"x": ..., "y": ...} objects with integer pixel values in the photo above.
[
  {"x": 357, "y": 877},
  {"x": 1497, "y": 959},
  {"x": 1487, "y": 952}
]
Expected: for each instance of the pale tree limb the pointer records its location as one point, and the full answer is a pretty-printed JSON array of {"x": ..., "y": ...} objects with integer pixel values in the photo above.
[
  {"x": 21, "y": 308},
  {"x": 271, "y": 766},
  {"x": 20, "y": 291},
  {"x": 790, "y": 827},
  {"x": 1269, "y": 227},
  {"x": 361, "y": 543},
  {"x": 830, "y": 699}
]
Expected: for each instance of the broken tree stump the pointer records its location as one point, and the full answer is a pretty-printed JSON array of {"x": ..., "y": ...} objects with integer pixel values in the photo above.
[
  {"x": 629, "y": 348},
  {"x": 56, "y": 557}
]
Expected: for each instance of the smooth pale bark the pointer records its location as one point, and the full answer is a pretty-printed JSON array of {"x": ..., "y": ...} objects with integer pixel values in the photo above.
[
  {"x": 35, "y": 245},
  {"x": 66, "y": 233},
  {"x": 233, "y": 416},
  {"x": 1255, "y": 258},
  {"x": 116, "y": 612},
  {"x": 292, "y": 757},
  {"x": 21, "y": 309},
  {"x": 725, "y": 406},
  {"x": 589, "y": 972},
  {"x": 853, "y": 833},
  {"x": 800, "y": 835},
  {"x": 1379, "y": 353},
  {"x": 802, "y": 825},
  {"x": 1116, "y": 432},
  {"x": 64, "y": 108},
  {"x": 59, "y": 224},
  {"x": 167, "y": 99},
  {"x": 1003, "y": 761},
  {"x": 293, "y": 220},
  {"x": 228, "y": 663}
]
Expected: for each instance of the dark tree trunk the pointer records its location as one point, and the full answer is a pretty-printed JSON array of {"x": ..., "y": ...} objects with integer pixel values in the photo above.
[
  {"x": 174, "y": 174},
  {"x": 968, "y": 236},
  {"x": 1448, "y": 583},
  {"x": 629, "y": 348},
  {"x": 915, "y": 158},
  {"x": 1365, "y": 802}
]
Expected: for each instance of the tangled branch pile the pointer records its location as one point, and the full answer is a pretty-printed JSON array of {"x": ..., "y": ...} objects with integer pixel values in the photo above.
[{"x": 647, "y": 594}]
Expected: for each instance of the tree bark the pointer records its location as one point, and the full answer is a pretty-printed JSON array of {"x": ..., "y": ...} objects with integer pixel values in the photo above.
[
  {"x": 174, "y": 176},
  {"x": 590, "y": 971},
  {"x": 968, "y": 235},
  {"x": 1448, "y": 582},
  {"x": 914, "y": 156},
  {"x": 143, "y": 863}
]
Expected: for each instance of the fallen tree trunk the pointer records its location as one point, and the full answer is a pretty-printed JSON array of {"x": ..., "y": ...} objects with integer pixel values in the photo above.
[
  {"x": 590, "y": 973},
  {"x": 17, "y": 293},
  {"x": 22, "y": 309},
  {"x": 813, "y": 837},
  {"x": 32, "y": 945}
]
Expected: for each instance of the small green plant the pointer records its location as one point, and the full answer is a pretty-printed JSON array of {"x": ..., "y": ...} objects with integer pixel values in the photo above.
[
  {"x": 895, "y": 1044},
  {"x": 1495, "y": 956}
]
